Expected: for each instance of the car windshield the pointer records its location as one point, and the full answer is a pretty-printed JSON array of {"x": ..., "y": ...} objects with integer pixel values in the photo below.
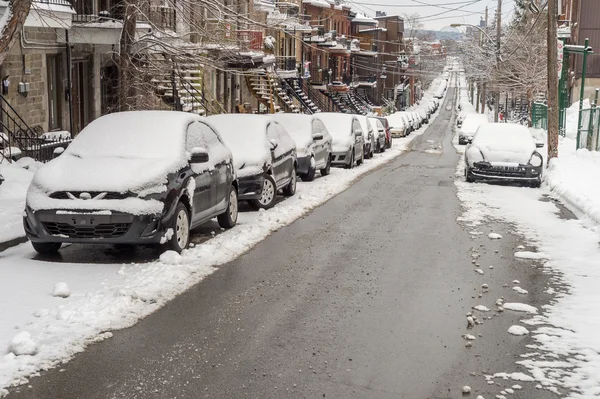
[
  {"x": 471, "y": 122},
  {"x": 298, "y": 126},
  {"x": 504, "y": 137},
  {"x": 136, "y": 135}
]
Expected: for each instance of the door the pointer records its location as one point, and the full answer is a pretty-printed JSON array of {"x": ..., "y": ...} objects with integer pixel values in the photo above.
[
  {"x": 80, "y": 95},
  {"x": 53, "y": 67},
  {"x": 319, "y": 148},
  {"x": 279, "y": 172},
  {"x": 219, "y": 167},
  {"x": 204, "y": 194},
  {"x": 358, "y": 140}
]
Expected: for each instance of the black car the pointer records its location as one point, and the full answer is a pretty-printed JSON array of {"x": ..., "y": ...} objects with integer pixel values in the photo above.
[
  {"x": 264, "y": 155},
  {"x": 144, "y": 177}
]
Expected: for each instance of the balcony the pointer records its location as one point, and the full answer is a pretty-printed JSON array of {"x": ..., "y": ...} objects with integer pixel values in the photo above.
[
  {"x": 250, "y": 40},
  {"x": 50, "y": 14},
  {"x": 286, "y": 67},
  {"x": 66, "y": 3}
]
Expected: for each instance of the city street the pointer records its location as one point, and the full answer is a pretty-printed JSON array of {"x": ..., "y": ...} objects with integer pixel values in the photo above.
[{"x": 365, "y": 297}]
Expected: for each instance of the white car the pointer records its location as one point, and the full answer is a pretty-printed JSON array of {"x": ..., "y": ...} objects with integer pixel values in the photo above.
[
  {"x": 398, "y": 126},
  {"x": 469, "y": 126},
  {"x": 504, "y": 152},
  {"x": 369, "y": 136}
]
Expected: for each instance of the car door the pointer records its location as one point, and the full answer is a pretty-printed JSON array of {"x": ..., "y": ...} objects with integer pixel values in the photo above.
[
  {"x": 204, "y": 195},
  {"x": 287, "y": 148},
  {"x": 358, "y": 140},
  {"x": 220, "y": 166},
  {"x": 277, "y": 154},
  {"x": 319, "y": 145}
]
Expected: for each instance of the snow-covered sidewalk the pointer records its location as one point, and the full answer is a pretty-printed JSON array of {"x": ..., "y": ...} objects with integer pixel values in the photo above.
[{"x": 105, "y": 297}]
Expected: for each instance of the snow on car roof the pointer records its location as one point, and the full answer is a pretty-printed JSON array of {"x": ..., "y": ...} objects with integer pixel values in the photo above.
[
  {"x": 134, "y": 134},
  {"x": 364, "y": 123},
  {"x": 396, "y": 119},
  {"x": 338, "y": 125},
  {"x": 298, "y": 127},
  {"x": 245, "y": 135},
  {"x": 472, "y": 121}
]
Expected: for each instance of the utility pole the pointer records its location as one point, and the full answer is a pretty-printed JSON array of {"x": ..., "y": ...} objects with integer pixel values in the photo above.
[
  {"x": 552, "y": 82},
  {"x": 498, "y": 42},
  {"x": 484, "y": 84}
]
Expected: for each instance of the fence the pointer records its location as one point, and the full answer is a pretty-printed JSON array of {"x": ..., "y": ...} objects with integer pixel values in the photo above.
[
  {"x": 539, "y": 116},
  {"x": 587, "y": 135}
]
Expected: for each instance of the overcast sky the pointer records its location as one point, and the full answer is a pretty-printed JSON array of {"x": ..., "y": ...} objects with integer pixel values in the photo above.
[{"x": 437, "y": 14}]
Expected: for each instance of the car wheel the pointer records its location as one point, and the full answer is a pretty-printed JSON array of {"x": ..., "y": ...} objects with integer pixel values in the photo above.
[
  {"x": 351, "y": 164},
  {"x": 389, "y": 144},
  {"x": 46, "y": 248},
  {"x": 468, "y": 176},
  {"x": 290, "y": 189},
  {"x": 361, "y": 160},
  {"x": 181, "y": 229},
  {"x": 228, "y": 219},
  {"x": 327, "y": 170},
  {"x": 312, "y": 171},
  {"x": 268, "y": 195}
]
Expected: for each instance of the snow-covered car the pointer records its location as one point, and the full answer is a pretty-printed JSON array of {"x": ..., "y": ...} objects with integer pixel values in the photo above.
[
  {"x": 369, "y": 136},
  {"x": 379, "y": 134},
  {"x": 313, "y": 143},
  {"x": 338, "y": 86},
  {"x": 264, "y": 156},
  {"x": 408, "y": 121},
  {"x": 417, "y": 119},
  {"x": 347, "y": 138},
  {"x": 388, "y": 133},
  {"x": 398, "y": 125},
  {"x": 469, "y": 126},
  {"x": 144, "y": 177},
  {"x": 504, "y": 152},
  {"x": 424, "y": 114}
]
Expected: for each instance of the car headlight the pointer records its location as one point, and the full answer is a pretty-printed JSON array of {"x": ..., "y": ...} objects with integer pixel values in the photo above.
[
  {"x": 536, "y": 160},
  {"x": 474, "y": 155}
]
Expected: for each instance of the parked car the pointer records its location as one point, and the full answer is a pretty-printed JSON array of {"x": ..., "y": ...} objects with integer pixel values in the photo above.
[
  {"x": 313, "y": 143},
  {"x": 424, "y": 114},
  {"x": 348, "y": 138},
  {"x": 417, "y": 119},
  {"x": 264, "y": 156},
  {"x": 504, "y": 152},
  {"x": 145, "y": 177},
  {"x": 338, "y": 86},
  {"x": 471, "y": 122},
  {"x": 398, "y": 125},
  {"x": 369, "y": 136},
  {"x": 407, "y": 121},
  {"x": 388, "y": 133},
  {"x": 379, "y": 132}
]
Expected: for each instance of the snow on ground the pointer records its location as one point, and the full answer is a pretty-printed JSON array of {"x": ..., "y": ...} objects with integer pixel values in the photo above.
[
  {"x": 518, "y": 330},
  {"x": 12, "y": 197},
  {"x": 105, "y": 297},
  {"x": 568, "y": 327}
]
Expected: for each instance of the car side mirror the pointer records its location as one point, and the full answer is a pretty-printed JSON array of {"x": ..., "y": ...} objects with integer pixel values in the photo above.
[
  {"x": 317, "y": 137},
  {"x": 274, "y": 143},
  {"x": 358, "y": 133},
  {"x": 199, "y": 155},
  {"x": 469, "y": 141},
  {"x": 539, "y": 144}
]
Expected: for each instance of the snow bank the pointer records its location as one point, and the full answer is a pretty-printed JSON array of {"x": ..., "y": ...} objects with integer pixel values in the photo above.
[
  {"x": 61, "y": 290},
  {"x": 518, "y": 330},
  {"x": 520, "y": 307},
  {"x": 12, "y": 197},
  {"x": 22, "y": 344},
  {"x": 114, "y": 296}
]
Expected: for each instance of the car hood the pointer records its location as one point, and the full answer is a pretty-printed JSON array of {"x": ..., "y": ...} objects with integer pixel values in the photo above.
[
  {"x": 506, "y": 153},
  {"x": 71, "y": 173},
  {"x": 341, "y": 144}
]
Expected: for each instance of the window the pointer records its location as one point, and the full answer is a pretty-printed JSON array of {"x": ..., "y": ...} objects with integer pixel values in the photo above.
[{"x": 200, "y": 135}]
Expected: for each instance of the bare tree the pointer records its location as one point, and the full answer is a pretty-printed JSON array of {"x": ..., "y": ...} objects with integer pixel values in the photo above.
[
  {"x": 18, "y": 11},
  {"x": 412, "y": 25}
]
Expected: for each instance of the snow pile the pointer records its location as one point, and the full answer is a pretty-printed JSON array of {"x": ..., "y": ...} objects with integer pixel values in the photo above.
[
  {"x": 61, "y": 290},
  {"x": 518, "y": 330},
  {"x": 520, "y": 307},
  {"x": 12, "y": 196},
  {"x": 22, "y": 344},
  {"x": 114, "y": 296},
  {"x": 494, "y": 236}
]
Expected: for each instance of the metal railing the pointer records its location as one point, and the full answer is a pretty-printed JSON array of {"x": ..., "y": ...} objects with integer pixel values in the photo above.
[
  {"x": 539, "y": 116},
  {"x": 164, "y": 18},
  {"x": 55, "y": 2},
  {"x": 286, "y": 63}
]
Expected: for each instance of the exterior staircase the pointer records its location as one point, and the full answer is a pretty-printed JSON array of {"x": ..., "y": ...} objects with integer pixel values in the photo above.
[{"x": 268, "y": 91}]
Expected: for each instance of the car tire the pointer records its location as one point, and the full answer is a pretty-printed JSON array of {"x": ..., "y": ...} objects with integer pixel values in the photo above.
[
  {"x": 361, "y": 160},
  {"x": 389, "y": 144},
  {"x": 312, "y": 171},
  {"x": 290, "y": 189},
  {"x": 382, "y": 148},
  {"x": 46, "y": 248},
  {"x": 351, "y": 164},
  {"x": 327, "y": 170},
  {"x": 228, "y": 219},
  {"x": 268, "y": 197},
  {"x": 468, "y": 176},
  {"x": 180, "y": 223}
]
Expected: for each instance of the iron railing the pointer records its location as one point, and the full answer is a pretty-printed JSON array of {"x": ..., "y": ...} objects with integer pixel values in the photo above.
[
  {"x": 55, "y": 2},
  {"x": 286, "y": 63}
]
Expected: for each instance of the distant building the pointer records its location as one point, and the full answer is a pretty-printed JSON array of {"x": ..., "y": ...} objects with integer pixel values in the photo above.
[{"x": 380, "y": 14}]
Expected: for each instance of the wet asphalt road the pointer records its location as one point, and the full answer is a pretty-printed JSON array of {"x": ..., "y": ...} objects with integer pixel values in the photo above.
[{"x": 363, "y": 298}]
